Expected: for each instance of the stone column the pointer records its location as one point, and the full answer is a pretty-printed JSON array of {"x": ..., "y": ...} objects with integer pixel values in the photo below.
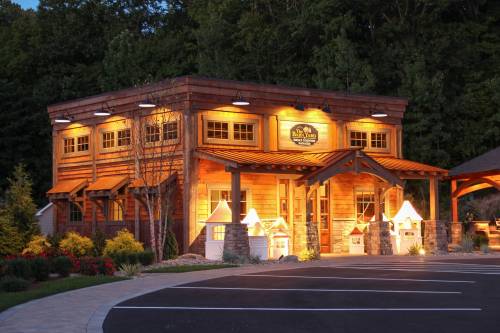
[
  {"x": 456, "y": 232},
  {"x": 435, "y": 237},
  {"x": 236, "y": 234},
  {"x": 379, "y": 238}
]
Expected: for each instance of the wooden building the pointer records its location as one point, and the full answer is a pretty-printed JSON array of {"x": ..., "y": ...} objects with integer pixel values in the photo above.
[{"x": 281, "y": 150}]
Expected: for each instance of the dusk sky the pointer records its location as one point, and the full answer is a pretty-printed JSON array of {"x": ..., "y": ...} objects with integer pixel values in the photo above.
[{"x": 27, "y": 3}]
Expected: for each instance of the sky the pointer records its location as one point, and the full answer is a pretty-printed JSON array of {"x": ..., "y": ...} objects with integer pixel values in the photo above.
[{"x": 27, "y": 3}]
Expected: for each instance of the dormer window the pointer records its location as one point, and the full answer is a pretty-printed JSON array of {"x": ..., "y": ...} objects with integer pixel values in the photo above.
[
  {"x": 359, "y": 139},
  {"x": 377, "y": 141},
  {"x": 217, "y": 130},
  {"x": 243, "y": 132}
]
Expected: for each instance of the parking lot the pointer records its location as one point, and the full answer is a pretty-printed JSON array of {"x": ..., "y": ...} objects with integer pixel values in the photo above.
[{"x": 400, "y": 296}]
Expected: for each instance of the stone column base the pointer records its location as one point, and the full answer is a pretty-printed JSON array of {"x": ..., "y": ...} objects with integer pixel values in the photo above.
[
  {"x": 236, "y": 239},
  {"x": 435, "y": 237},
  {"x": 379, "y": 239},
  {"x": 312, "y": 238},
  {"x": 456, "y": 233}
]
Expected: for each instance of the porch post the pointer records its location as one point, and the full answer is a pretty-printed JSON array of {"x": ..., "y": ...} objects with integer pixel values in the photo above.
[
  {"x": 435, "y": 239},
  {"x": 433, "y": 198},
  {"x": 379, "y": 232},
  {"x": 311, "y": 229},
  {"x": 456, "y": 226},
  {"x": 236, "y": 234}
]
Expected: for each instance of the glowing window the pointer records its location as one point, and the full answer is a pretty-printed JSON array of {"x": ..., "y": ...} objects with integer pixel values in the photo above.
[
  {"x": 217, "y": 195},
  {"x": 82, "y": 143},
  {"x": 217, "y": 130},
  {"x": 108, "y": 139},
  {"x": 170, "y": 131},
  {"x": 115, "y": 211},
  {"x": 123, "y": 137},
  {"x": 378, "y": 140},
  {"x": 75, "y": 214},
  {"x": 152, "y": 133},
  {"x": 69, "y": 145},
  {"x": 359, "y": 139},
  {"x": 243, "y": 132},
  {"x": 218, "y": 232}
]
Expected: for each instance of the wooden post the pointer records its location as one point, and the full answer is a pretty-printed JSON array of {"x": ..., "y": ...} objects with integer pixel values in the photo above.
[
  {"x": 433, "y": 198},
  {"x": 377, "y": 208},
  {"x": 454, "y": 202},
  {"x": 236, "y": 196}
]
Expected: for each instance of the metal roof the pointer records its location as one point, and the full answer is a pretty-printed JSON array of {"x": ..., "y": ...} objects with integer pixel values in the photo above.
[{"x": 486, "y": 163}]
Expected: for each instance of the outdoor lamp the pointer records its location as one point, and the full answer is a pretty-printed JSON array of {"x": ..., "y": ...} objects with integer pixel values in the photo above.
[
  {"x": 299, "y": 106},
  {"x": 61, "y": 119},
  {"x": 103, "y": 112},
  {"x": 326, "y": 108},
  {"x": 239, "y": 100},
  {"x": 147, "y": 103},
  {"x": 376, "y": 113}
]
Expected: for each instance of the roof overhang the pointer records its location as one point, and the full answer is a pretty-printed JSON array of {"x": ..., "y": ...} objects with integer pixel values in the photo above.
[
  {"x": 66, "y": 189},
  {"x": 106, "y": 186}
]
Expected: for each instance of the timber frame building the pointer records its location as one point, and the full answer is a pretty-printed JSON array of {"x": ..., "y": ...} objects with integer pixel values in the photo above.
[{"x": 293, "y": 153}]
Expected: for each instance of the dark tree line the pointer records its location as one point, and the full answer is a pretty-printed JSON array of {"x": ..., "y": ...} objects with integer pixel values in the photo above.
[{"x": 443, "y": 55}]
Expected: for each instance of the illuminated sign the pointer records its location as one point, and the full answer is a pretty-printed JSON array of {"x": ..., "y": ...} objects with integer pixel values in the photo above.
[{"x": 304, "y": 135}]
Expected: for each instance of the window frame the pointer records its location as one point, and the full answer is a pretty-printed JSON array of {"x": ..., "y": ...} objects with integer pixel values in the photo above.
[
  {"x": 369, "y": 133},
  {"x": 71, "y": 204},
  {"x": 220, "y": 187},
  {"x": 110, "y": 210},
  {"x": 231, "y": 126},
  {"x": 75, "y": 151},
  {"x": 178, "y": 132},
  {"x": 115, "y": 147}
]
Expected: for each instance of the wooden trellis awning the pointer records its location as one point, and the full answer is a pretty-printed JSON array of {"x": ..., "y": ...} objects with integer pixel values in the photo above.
[
  {"x": 152, "y": 181},
  {"x": 106, "y": 186},
  {"x": 66, "y": 189}
]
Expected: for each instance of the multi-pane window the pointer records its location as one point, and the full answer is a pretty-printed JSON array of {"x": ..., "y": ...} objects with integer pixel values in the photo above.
[
  {"x": 243, "y": 132},
  {"x": 365, "y": 206},
  {"x": 115, "y": 212},
  {"x": 217, "y": 130},
  {"x": 108, "y": 139},
  {"x": 217, "y": 195},
  {"x": 378, "y": 140},
  {"x": 324, "y": 199},
  {"x": 170, "y": 131},
  {"x": 359, "y": 139},
  {"x": 152, "y": 133},
  {"x": 82, "y": 143},
  {"x": 69, "y": 145},
  {"x": 218, "y": 232},
  {"x": 75, "y": 214},
  {"x": 283, "y": 192},
  {"x": 123, "y": 137}
]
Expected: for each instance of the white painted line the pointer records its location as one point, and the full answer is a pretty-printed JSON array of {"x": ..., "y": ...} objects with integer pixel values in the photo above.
[
  {"x": 418, "y": 270},
  {"x": 196, "y": 308},
  {"x": 325, "y": 290},
  {"x": 354, "y": 278}
]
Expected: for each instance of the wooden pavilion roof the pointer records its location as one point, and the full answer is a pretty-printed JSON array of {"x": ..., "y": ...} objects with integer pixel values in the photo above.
[{"x": 482, "y": 165}]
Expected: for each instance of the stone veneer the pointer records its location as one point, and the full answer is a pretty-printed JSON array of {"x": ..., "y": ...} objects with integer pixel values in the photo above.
[
  {"x": 456, "y": 233},
  {"x": 236, "y": 239},
  {"x": 379, "y": 238},
  {"x": 435, "y": 240}
]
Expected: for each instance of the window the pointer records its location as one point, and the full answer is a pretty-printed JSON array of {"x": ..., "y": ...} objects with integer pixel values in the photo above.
[
  {"x": 123, "y": 137},
  {"x": 108, "y": 140},
  {"x": 115, "y": 211},
  {"x": 82, "y": 143},
  {"x": 243, "y": 132},
  {"x": 324, "y": 199},
  {"x": 218, "y": 232},
  {"x": 75, "y": 214},
  {"x": 217, "y": 130},
  {"x": 69, "y": 145},
  {"x": 170, "y": 131},
  {"x": 365, "y": 206},
  {"x": 217, "y": 195},
  {"x": 283, "y": 192},
  {"x": 378, "y": 140},
  {"x": 358, "y": 139},
  {"x": 152, "y": 133}
]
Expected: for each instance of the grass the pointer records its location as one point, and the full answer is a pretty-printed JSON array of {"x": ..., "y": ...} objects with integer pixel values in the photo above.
[
  {"x": 187, "y": 268},
  {"x": 52, "y": 287}
]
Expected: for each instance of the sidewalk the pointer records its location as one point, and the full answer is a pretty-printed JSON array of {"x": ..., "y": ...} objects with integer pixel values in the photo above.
[{"x": 84, "y": 310}]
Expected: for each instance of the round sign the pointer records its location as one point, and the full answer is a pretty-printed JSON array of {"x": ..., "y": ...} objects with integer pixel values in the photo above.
[{"x": 304, "y": 135}]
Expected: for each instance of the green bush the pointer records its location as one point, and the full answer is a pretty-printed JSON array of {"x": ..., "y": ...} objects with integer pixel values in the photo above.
[
  {"x": 171, "y": 248},
  {"x": 467, "y": 244},
  {"x": 132, "y": 258},
  {"x": 254, "y": 260},
  {"x": 99, "y": 240},
  {"x": 37, "y": 245},
  {"x": 146, "y": 258},
  {"x": 123, "y": 242},
  {"x": 19, "y": 267},
  {"x": 308, "y": 254},
  {"x": 480, "y": 239},
  {"x": 3, "y": 268},
  {"x": 415, "y": 249},
  {"x": 485, "y": 248},
  {"x": 130, "y": 269},
  {"x": 62, "y": 265},
  {"x": 233, "y": 258},
  {"x": 13, "y": 284},
  {"x": 77, "y": 245},
  {"x": 40, "y": 268}
]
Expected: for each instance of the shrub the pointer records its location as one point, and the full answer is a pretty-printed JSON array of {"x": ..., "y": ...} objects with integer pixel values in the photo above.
[
  {"x": 130, "y": 269},
  {"x": 480, "y": 239},
  {"x": 254, "y": 260},
  {"x": 467, "y": 244},
  {"x": 13, "y": 284},
  {"x": 105, "y": 266},
  {"x": 76, "y": 244},
  {"x": 146, "y": 258},
  {"x": 99, "y": 239},
  {"x": 485, "y": 248},
  {"x": 40, "y": 268},
  {"x": 19, "y": 267},
  {"x": 123, "y": 242},
  {"x": 415, "y": 250},
  {"x": 93, "y": 266},
  {"x": 3, "y": 268},
  {"x": 171, "y": 248},
  {"x": 55, "y": 240},
  {"x": 233, "y": 258},
  {"x": 37, "y": 245},
  {"x": 308, "y": 254},
  {"x": 62, "y": 265}
]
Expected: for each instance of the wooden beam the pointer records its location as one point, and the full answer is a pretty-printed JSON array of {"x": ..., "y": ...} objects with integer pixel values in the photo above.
[
  {"x": 434, "y": 198},
  {"x": 235, "y": 196},
  {"x": 454, "y": 202}
]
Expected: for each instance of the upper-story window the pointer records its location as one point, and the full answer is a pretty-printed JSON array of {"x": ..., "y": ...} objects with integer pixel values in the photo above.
[
  {"x": 69, "y": 145},
  {"x": 108, "y": 140},
  {"x": 218, "y": 131},
  {"x": 82, "y": 143},
  {"x": 152, "y": 133},
  {"x": 370, "y": 140},
  {"x": 123, "y": 137},
  {"x": 170, "y": 130},
  {"x": 76, "y": 145}
]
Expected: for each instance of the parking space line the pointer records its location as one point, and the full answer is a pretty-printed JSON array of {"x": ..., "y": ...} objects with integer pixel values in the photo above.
[
  {"x": 323, "y": 290},
  {"x": 356, "y": 278},
  {"x": 416, "y": 269},
  {"x": 197, "y": 308}
]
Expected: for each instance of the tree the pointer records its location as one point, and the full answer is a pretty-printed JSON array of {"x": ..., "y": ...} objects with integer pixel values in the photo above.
[
  {"x": 11, "y": 242},
  {"x": 19, "y": 209}
]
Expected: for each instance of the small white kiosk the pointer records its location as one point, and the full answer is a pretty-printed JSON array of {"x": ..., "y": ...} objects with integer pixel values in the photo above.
[
  {"x": 279, "y": 238},
  {"x": 407, "y": 226},
  {"x": 215, "y": 230},
  {"x": 257, "y": 238},
  {"x": 356, "y": 242}
]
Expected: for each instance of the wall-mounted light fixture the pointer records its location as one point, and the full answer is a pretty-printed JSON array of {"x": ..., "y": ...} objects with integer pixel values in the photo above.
[
  {"x": 239, "y": 100},
  {"x": 149, "y": 102},
  {"x": 326, "y": 107},
  {"x": 378, "y": 112},
  {"x": 63, "y": 119},
  {"x": 298, "y": 105},
  {"x": 104, "y": 111}
]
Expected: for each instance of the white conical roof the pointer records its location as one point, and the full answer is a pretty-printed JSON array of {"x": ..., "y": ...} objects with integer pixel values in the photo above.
[
  {"x": 280, "y": 224},
  {"x": 252, "y": 218},
  {"x": 384, "y": 218},
  {"x": 407, "y": 212},
  {"x": 221, "y": 214}
]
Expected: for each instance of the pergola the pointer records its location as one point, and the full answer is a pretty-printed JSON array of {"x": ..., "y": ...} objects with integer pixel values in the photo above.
[{"x": 479, "y": 173}]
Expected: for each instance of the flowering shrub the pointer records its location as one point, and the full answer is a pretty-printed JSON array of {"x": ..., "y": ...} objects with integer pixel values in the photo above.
[
  {"x": 62, "y": 265},
  {"x": 123, "y": 242},
  {"x": 95, "y": 265},
  {"x": 38, "y": 245},
  {"x": 77, "y": 245}
]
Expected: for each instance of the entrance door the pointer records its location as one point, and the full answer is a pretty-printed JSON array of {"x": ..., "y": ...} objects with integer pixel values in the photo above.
[{"x": 324, "y": 217}]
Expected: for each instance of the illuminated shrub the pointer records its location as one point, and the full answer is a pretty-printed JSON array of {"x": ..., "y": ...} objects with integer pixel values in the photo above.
[
  {"x": 123, "y": 243},
  {"x": 76, "y": 245},
  {"x": 38, "y": 245}
]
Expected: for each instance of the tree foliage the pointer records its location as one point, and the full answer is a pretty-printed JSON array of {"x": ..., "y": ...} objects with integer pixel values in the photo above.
[{"x": 443, "y": 55}]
